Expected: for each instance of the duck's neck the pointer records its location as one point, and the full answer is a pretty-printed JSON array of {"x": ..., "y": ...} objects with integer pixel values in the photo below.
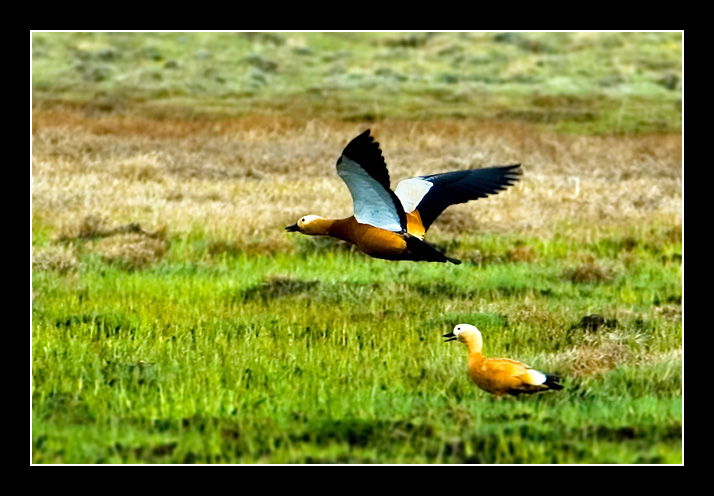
[
  {"x": 474, "y": 344},
  {"x": 321, "y": 227},
  {"x": 342, "y": 228}
]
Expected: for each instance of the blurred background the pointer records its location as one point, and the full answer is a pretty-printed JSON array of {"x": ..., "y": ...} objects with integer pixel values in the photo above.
[{"x": 579, "y": 82}]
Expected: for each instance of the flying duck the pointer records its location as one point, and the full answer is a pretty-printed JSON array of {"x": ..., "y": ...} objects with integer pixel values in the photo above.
[
  {"x": 500, "y": 376},
  {"x": 391, "y": 224}
]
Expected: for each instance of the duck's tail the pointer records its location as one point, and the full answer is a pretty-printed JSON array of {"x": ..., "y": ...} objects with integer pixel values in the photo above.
[
  {"x": 423, "y": 251},
  {"x": 553, "y": 381},
  {"x": 453, "y": 260}
]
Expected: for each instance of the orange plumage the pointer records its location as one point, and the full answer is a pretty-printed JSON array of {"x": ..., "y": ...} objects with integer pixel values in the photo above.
[{"x": 500, "y": 376}]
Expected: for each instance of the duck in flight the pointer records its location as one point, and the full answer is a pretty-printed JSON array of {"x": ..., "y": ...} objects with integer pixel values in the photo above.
[
  {"x": 500, "y": 376},
  {"x": 391, "y": 224}
]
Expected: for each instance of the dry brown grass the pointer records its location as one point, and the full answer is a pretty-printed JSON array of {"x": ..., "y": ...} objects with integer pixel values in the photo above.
[
  {"x": 591, "y": 360},
  {"x": 129, "y": 245},
  {"x": 246, "y": 178},
  {"x": 132, "y": 251},
  {"x": 590, "y": 272},
  {"x": 597, "y": 356},
  {"x": 522, "y": 253},
  {"x": 94, "y": 226},
  {"x": 59, "y": 258}
]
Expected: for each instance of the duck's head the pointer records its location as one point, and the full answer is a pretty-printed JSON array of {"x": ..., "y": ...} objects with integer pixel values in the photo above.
[
  {"x": 467, "y": 334},
  {"x": 311, "y": 224}
]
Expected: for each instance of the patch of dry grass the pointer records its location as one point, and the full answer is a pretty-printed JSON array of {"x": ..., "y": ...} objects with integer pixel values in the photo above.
[
  {"x": 94, "y": 226},
  {"x": 592, "y": 360},
  {"x": 130, "y": 245},
  {"x": 522, "y": 253},
  {"x": 246, "y": 178},
  {"x": 131, "y": 250},
  {"x": 589, "y": 272},
  {"x": 597, "y": 356},
  {"x": 606, "y": 346},
  {"x": 59, "y": 258}
]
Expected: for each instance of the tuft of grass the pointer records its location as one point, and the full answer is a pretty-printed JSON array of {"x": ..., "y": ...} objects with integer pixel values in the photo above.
[
  {"x": 589, "y": 273},
  {"x": 131, "y": 250},
  {"x": 279, "y": 286},
  {"x": 62, "y": 259},
  {"x": 592, "y": 360}
]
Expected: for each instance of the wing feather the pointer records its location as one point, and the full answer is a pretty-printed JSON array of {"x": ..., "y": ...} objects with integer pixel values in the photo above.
[
  {"x": 362, "y": 167},
  {"x": 430, "y": 195}
]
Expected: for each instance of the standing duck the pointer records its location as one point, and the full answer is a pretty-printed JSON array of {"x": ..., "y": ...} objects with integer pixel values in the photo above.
[
  {"x": 391, "y": 224},
  {"x": 500, "y": 375}
]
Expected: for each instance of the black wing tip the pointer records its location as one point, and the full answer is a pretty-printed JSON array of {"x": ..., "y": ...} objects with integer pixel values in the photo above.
[
  {"x": 510, "y": 167},
  {"x": 507, "y": 174},
  {"x": 366, "y": 152},
  {"x": 514, "y": 170},
  {"x": 359, "y": 144},
  {"x": 509, "y": 171}
]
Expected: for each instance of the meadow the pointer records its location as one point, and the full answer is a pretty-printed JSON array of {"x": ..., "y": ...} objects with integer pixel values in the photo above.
[{"x": 175, "y": 321}]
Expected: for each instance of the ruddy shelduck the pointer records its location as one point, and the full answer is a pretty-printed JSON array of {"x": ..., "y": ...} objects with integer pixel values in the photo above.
[
  {"x": 391, "y": 224},
  {"x": 500, "y": 376}
]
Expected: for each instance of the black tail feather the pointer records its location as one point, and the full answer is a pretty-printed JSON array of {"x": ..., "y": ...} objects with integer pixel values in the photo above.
[
  {"x": 553, "y": 381},
  {"x": 422, "y": 251}
]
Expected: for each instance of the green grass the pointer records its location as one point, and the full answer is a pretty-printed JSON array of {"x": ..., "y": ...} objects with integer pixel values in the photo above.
[
  {"x": 574, "y": 82},
  {"x": 323, "y": 355}
]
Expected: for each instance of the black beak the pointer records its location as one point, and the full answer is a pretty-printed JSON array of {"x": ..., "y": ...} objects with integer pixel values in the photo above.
[
  {"x": 450, "y": 335},
  {"x": 292, "y": 228}
]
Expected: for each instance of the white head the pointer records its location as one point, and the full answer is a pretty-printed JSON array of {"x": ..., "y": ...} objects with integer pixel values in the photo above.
[
  {"x": 467, "y": 334},
  {"x": 310, "y": 224}
]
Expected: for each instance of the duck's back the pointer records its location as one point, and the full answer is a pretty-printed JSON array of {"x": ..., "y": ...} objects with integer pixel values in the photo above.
[{"x": 496, "y": 375}]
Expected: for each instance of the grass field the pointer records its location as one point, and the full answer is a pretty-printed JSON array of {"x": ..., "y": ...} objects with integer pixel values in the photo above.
[{"x": 175, "y": 321}]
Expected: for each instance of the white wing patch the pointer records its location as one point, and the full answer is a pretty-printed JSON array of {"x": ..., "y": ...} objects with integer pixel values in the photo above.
[
  {"x": 412, "y": 191},
  {"x": 535, "y": 377},
  {"x": 373, "y": 204}
]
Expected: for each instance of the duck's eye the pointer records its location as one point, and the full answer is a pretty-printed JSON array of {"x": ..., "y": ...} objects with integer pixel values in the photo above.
[{"x": 302, "y": 220}]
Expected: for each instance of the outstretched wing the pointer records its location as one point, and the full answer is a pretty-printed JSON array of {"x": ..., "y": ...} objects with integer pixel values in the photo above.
[
  {"x": 430, "y": 195},
  {"x": 362, "y": 168}
]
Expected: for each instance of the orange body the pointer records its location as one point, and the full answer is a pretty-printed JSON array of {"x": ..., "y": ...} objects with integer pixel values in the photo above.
[
  {"x": 374, "y": 241},
  {"x": 499, "y": 375}
]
